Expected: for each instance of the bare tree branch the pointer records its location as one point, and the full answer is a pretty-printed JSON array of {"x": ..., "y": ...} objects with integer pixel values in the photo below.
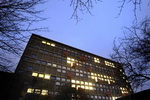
[
  {"x": 133, "y": 52},
  {"x": 16, "y": 17}
]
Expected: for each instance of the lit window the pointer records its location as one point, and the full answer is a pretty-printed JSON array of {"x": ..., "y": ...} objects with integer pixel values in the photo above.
[
  {"x": 69, "y": 62},
  {"x": 48, "y": 43},
  {"x": 37, "y": 91},
  {"x": 86, "y": 83},
  {"x": 44, "y": 92},
  {"x": 91, "y": 88},
  {"x": 41, "y": 75},
  {"x": 107, "y": 63},
  {"x": 82, "y": 82},
  {"x": 78, "y": 86},
  {"x": 96, "y": 60},
  {"x": 86, "y": 87},
  {"x": 34, "y": 74},
  {"x": 53, "y": 45},
  {"x": 30, "y": 90},
  {"x": 54, "y": 65},
  {"x": 77, "y": 82},
  {"x": 90, "y": 83},
  {"x": 72, "y": 81},
  {"x": 47, "y": 76},
  {"x": 92, "y": 77},
  {"x": 73, "y": 85},
  {"x": 82, "y": 86},
  {"x": 44, "y": 42}
]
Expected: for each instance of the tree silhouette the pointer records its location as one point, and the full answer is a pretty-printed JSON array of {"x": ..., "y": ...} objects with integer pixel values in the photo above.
[
  {"x": 133, "y": 52},
  {"x": 16, "y": 17}
]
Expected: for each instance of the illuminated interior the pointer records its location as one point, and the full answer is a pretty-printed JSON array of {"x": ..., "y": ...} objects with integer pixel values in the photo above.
[
  {"x": 47, "y": 43},
  {"x": 96, "y": 60},
  {"x": 107, "y": 63},
  {"x": 45, "y": 76},
  {"x": 44, "y": 92},
  {"x": 34, "y": 74},
  {"x": 123, "y": 90},
  {"x": 30, "y": 90},
  {"x": 81, "y": 84}
]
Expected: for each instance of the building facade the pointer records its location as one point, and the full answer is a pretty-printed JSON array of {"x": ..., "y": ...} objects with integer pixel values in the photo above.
[{"x": 48, "y": 66}]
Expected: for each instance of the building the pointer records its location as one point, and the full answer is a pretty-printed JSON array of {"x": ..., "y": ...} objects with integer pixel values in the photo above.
[{"x": 48, "y": 66}]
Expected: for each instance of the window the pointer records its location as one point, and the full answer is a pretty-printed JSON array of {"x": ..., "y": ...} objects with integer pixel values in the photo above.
[
  {"x": 63, "y": 67},
  {"x": 47, "y": 76},
  {"x": 53, "y": 77},
  {"x": 35, "y": 74},
  {"x": 68, "y": 68},
  {"x": 33, "y": 55},
  {"x": 96, "y": 60},
  {"x": 41, "y": 75},
  {"x": 77, "y": 74},
  {"x": 37, "y": 91},
  {"x": 53, "y": 45},
  {"x": 72, "y": 81},
  {"x": 29, "y": 68},
  {"x": 63, "y": 71},
  {"x": 59, "y": 66},
  {"x": 44, "y": 92},
  {"x": 81, "y": 75},
  {"x": 107, "y": 63},
  {"x": 48, "y": 43},
  {"x": 63, "y": 79},
  {"x": 57, "y": 83},
  {"x": 49, "y": 64},
  {"x": 58, "y": 78},
  {"x": 30, "y": 90},
  {"x": 73, "y": 85},
  {"x": 44, "y": 42},
  {"x": 58, "y": 70},
  {"x": 54, "y": 65}
]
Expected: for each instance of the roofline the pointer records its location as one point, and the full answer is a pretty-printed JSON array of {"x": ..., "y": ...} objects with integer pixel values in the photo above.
[{"x": 33, "y": 34}]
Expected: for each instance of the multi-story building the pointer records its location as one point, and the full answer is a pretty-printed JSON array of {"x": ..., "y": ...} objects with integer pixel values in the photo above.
[{"x": 48, "y": 66}]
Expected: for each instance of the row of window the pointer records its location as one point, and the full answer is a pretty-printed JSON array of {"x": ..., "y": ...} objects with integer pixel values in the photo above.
[
  {"x": 45, "y": 76},
  {"x": 45, "y": 92},
  {"x": 37, "y": 91},
  {"x": 48, "y": 43}
]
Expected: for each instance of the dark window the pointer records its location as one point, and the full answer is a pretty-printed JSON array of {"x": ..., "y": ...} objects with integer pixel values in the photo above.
[
  {"x": 20, "y": 71},
  {"x": 38, "y": 61},
  {"x": 33, "y": 55},
  {"x": 29, "y": 68},
  {"x": 26, "y": 58},
  {"x": 53, "y": 77},
  {"x": 43, "y": 62}
]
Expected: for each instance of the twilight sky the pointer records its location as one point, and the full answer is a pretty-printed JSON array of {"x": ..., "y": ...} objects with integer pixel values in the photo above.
[{"x": 95, "y": 33}]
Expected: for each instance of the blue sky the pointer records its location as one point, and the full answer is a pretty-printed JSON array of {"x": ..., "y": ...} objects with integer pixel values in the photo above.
[{"x": 94, "y": 33}]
